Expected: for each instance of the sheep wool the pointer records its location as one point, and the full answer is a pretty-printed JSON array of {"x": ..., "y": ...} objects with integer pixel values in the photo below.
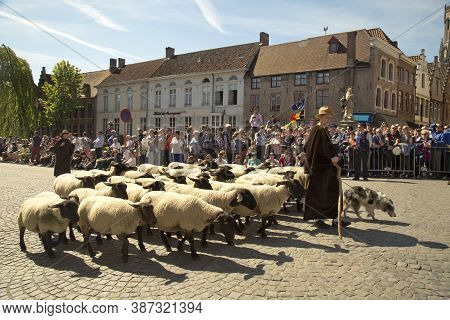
[
  {"x": 83, "y": 193},
  {"x": 65, "y": 184}
]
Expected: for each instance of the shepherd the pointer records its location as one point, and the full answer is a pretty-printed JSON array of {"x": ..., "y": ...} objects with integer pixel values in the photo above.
[
  {"x": 63, "y": 149},
  {"x": 322, "y": 168}
]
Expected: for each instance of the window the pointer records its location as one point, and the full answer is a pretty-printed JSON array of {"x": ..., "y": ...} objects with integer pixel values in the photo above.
[
  {"x": 89, "y": 129},
  {"x": 256, "y": 83},
  {"x": 130, "y": 127},
  {"x": 187, "y": 122},
  {"x": 406, "y": 102},
  {"x": 321, "y": 98},
  {"x": 323, "y": 77},
  {"x": 206, "y": 80},
  {"x": 383, "y": 68},
  {"x": 81, "y": 129},
  {"x": 105, "y": 100},
  {"x": 172, "y": 97},
  {"x": 426, "y": 109},
  {"x": 158, "y": 99},
  {"x": 104, "y": 125},
  {"x": 172, "y": 123},
  {"x": 188, "y": 82},
  {"x": 334, "y": 47},
  {"x": 232, "y": 94},
  {"x": 117, "y": 105},
  {"x": 172, "y": 84},
  {"x": 219, "y": 79},
  {"x": 157, "y": 123},
  {"x": 215, "y": 123},
  {"x": 130, "y": 98},
  {"x": 400, "y": 74},
  {"x": 205, "y": 121},
  {"x": 232, "y": 121},
  {"x": 417, "y": 107},
  {"x": 143, "y": 123},
  {"x": 117, "y": 125},
  {"x": 275, "y": 81},
  {"x": 407, "y": 77},
  {"x": 411, "y": 103},
  {"x": 89, "y": 110},
  {"x": 423, "y": 80},
  {"x": 275, "y": 102},
  {"x": 206, "y": 95},
  {"x": 393, "y": 101},
  {"x": 188, "y": 97},
  {"x": 386, "y": 100},
  {"x": 400, "y": 101},
  {"x": 83, "y": 112},
  {"x": 391, "y": 72},
  {"x": 233, "y": 78},
  {"x": 378, "y": 98},
  {"x": 300, "y": 79},
  {"x": 299, "y": 95},
  {"x": 422, "y": 105},
  {"x": 254, "y": 101},
  {"x": 218, "y": 96},
  {"x": 144, "y": 97}
]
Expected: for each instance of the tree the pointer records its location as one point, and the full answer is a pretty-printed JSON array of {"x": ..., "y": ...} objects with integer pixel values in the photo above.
[
  {"x": 18, "y": 103},
  {"x": 61, "y": 96}
]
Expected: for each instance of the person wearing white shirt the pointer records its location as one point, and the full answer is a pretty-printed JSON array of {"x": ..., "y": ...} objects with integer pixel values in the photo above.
[
  {"x": 176, "y": 147},
  {"x": 98, "y": 144},
  {"x": 220, "y": 158},
  {"x": 77, "y": 142},
  {"x": 115, "y": 145}
]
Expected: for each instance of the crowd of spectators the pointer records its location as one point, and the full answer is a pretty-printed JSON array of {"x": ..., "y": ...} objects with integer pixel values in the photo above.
[{"x": 363, "y": 149}]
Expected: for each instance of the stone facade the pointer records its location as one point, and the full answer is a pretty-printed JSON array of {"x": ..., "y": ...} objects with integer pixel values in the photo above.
[{"x": 422, "y": 100}]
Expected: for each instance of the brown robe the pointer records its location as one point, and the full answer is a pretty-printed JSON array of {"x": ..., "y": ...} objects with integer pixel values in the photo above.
[
  {"x": 322, "y": 184},
  {"x": 63, "y": 155}
]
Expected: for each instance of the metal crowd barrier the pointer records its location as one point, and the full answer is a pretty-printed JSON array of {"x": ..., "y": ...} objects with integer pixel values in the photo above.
[{"x": 417, "y": 162}]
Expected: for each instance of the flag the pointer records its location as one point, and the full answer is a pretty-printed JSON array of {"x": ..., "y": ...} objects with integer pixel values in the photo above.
[{"x": 298, "y": 106}]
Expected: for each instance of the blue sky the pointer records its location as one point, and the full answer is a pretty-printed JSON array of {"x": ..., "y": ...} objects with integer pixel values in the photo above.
[{"x": 139, "y": 30}]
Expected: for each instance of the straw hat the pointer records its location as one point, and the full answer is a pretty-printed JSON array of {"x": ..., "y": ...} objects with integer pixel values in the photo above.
[
  {"x": 324, "y": 111},
  {"x": 64, "y": 132}
]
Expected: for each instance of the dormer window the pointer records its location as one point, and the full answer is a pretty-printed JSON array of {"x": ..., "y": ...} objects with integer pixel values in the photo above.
[{"x": 334, "y": 45}]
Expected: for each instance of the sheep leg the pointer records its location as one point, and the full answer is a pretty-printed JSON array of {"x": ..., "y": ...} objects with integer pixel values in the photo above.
[
  {"x": 299, "y": 204},
  {"x": 108, "y": 237},
  {"x": 285, "y": 208},
  {"x": 62, "y": 238},
  {"x": 23, "y": 247},
  {"x": 165, "y": 241},
  {"x": 263, "y": 228},
  {"x": 47, "y": 239},
  {"x": 272, "y": 220},
  {"x": 179, "y": 235},
  {"x": 99, "y": 239},
  {"x": 204, "y": 234},
  {"x": 247, "y": 221},
  {"x": 181, "y": 243},
  {"x": 125, "y": 244},
  {"x": 71, "y": 234},
  {"x": 87, "y": 245},
  {"x": 241, "y": 225},
  {"x": 149, "y": 231},
  {"x": 139, "y": 231},
  {"x": 211, "y": 229},
  {"x": 194, "y": 254}
]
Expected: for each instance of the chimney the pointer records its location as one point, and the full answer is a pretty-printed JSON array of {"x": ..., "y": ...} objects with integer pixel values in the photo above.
[
  {"x": 264, "y": 38},
  {"x": 170, "y": 52},
  {"x": 351, "y": 48},
  {"x": 112, "y": 65},
  {"x": 436, "y": 59},
  {"x": 422, "y": 52},
  {"x": 121, "y": 63},
  {"x": 43, "y": 71}
]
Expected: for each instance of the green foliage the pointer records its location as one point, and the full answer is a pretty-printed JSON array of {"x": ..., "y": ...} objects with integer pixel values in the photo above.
[
  {"x": 18, "y": 104},
  {"x": 60, "y": 97}
]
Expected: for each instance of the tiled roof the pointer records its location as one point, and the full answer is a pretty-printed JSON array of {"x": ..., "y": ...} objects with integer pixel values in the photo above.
[
  {"x": 219, "y": 59},
  {"x": 309, "y": 55},
  {"x": 379, "y": 33},
  {"x": 93, "y": 79},
  {"x": 135, "y": 71},
  {"x": 415, "y": 58}
]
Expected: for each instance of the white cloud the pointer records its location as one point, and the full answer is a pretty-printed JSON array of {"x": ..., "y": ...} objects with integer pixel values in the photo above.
[
  {"x": 36, "y": 25},
  {"x": 209, "y": 13},
  {"x": 96, "y": 15}
]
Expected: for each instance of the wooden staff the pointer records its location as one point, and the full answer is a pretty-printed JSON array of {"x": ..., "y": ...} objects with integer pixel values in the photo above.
[{"x": 340, "y": 202}]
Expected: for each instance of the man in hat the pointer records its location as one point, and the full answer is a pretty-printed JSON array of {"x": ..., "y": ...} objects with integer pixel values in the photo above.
[
  {"x": 362, "y": 152},
  {"x": 63, "y": 149},
  {"x": 322, "y": 184}
]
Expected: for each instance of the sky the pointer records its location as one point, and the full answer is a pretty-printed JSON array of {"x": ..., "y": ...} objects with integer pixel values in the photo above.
[{"x": 89, "y": 32}]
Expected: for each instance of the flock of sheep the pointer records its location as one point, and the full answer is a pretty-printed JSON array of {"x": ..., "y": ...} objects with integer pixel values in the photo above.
[{"x": 180, "y": 198}]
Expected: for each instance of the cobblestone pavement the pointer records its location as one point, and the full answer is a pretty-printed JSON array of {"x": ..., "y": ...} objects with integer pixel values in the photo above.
[{"x": 393, "y": 258}]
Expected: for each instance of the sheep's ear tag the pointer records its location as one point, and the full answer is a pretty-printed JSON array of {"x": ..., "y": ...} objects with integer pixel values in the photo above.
[{"x": 239, "y": 197}]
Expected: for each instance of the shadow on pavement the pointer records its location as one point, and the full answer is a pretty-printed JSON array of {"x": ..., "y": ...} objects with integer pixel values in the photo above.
[
  {"x": 380, "y": 180},
  {"x": 65, "y": 262},
  {"x": 433, "y": 245},
  {"x": 383, "y": 222}
]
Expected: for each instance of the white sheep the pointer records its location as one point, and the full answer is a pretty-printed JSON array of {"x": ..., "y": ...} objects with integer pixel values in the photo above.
[
  {"x": 46, "y": 214},
  {"x": 136, "y": 174},
  {"x": 116, "y": 179},
  {"x": 113, "y": 216},
  {"x": 188, "y": 214},
  {"x": 66, "y": 183},
  {"x": 150, "y": 168}
]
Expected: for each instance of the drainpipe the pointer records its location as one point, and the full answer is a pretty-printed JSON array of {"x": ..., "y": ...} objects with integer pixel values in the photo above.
[
  {"x": 213, "y": 94},
  {"x": 147, "y": 113}
]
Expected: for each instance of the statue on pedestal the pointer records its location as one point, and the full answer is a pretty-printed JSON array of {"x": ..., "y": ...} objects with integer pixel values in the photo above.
[{"x": 348, "y": 104}]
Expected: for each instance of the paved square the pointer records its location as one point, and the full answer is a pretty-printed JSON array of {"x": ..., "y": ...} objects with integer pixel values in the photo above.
[{"x": 392, "y": 258}]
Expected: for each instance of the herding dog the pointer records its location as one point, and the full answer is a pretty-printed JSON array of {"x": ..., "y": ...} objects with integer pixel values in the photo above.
[{"x": 371, "y": 200}]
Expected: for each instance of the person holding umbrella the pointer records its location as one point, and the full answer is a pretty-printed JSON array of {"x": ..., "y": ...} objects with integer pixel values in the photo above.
[{"x": 63, "y": 149}]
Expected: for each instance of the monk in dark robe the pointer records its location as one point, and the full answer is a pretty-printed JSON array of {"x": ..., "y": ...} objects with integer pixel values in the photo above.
[
  {"x": 63, "y": 149},
  {"x": 322, "y": 184}
]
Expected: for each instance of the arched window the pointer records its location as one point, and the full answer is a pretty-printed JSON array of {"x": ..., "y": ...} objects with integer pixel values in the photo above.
[
  {"x": 383, "y": 68},
  {"x": 117, "y": 98},
  {"x": 218, "y": 79},
  {"x": 386, "y": 99},
  {"x": 378, "y": 98},
  {"x": 105, "y": 100},
  {"x": 391, "y": 72},
  {"x": 130, "y": 98},
  {"x": 233, "y": 78},
  {"x": 206, "y": 80},
  {"x": 144, "y": 97},
  {"x": 172, "y": 84},
  {"x": 393, "y": 101},
  {"x": 158, "y": 85},
  {"x": 188, "y": 82}
]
